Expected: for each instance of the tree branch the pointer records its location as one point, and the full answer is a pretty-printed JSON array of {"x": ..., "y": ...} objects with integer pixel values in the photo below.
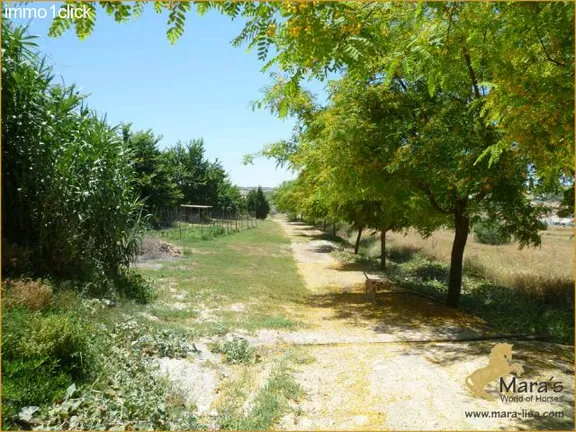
[
  {"x": 548, "y": 57},
  {"x": 424, "y": 188},
  {"x": 400, "y": 81},
  {"x": 471, "y": 73}
]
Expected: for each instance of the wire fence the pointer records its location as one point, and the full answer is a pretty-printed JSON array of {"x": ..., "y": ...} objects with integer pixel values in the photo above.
[{"x": 184, "y": 222}]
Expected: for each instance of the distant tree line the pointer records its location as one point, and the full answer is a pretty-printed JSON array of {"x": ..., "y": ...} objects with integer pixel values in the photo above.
[{"x": 179, "y": 174}]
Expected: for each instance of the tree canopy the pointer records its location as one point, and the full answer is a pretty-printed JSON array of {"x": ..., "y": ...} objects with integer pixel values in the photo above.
[{"x": 514, "y": 61}]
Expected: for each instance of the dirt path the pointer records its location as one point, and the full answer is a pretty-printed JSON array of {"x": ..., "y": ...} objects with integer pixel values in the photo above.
[{"x": 375, "y": 370}]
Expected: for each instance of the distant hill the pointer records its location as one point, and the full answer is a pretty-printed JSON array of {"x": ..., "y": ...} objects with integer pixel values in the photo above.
[{"x": 244, "y": 190}]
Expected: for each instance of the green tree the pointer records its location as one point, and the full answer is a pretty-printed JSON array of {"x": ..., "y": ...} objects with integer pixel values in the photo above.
[
  {"x": 230, "y": 200},
  {"x": 257, "y": 203},
  {"x": 287, "y": 198},
  {"x": 199, "y": 180},
  {"x": 154, "y": 180},
  {"x": 433, "y": 142}
]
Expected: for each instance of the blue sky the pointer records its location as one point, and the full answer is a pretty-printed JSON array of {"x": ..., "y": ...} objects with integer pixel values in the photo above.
[{"x": 200, "y": 87}]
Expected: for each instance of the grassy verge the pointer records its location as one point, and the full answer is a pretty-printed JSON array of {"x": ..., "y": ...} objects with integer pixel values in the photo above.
[
  {"x": 246, "y": 406},
  {"x": 240, "y": 281},
  {"x": 518, "y": 309}
]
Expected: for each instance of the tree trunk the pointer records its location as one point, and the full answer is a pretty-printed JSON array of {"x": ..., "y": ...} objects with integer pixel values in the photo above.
[
  {"x": 462, "y": 224},
  {"x": 324, "y": 229},
  {"x": 334, "y": 230},
  {"x": 357, "y": 245},
  {"x": 383, "y": 250}
]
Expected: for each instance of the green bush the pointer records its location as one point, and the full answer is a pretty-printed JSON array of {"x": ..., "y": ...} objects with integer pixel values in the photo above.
[
  {"x": 133, "y": 285},
  {"x": 213, "y": 232},
  {"x": 42, "y": 354},
  {"x": 236, "y": 350},
  {"x": 488, "y": 232}
]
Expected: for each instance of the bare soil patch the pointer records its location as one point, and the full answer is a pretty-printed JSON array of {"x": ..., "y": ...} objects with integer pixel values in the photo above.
[
  {"x": 197, "y": 378},
  {"x": 153, "y": 248}
]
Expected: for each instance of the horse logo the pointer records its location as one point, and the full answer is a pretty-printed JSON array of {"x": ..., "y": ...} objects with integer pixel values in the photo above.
[{"x": 499, "y": 365}]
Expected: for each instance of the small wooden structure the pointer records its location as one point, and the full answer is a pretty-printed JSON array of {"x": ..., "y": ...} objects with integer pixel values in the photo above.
[{"x": 193, "y": 213}]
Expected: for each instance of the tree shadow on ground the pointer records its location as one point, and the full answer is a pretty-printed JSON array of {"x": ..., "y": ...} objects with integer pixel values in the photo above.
[
  {"x": 417, "y": 322},
  {"x": 324, "y": 237},
  {"x": 324, "y": 249},
  {"x": 300, "y": 224},
  {"x": 307, "y": 227},
  {"x": 540, "y": 361},
  {"x": 399, "y": 314}
]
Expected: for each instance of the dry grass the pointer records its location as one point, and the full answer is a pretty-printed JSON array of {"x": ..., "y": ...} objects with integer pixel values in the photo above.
[
  {"x": 547, "y": 270},
  {"x": 31, "y": 294},
  {"x": 505, "y": 264}
]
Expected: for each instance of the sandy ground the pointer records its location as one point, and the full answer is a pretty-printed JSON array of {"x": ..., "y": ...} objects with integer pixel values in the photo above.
[{"x": 389, "y": 366}]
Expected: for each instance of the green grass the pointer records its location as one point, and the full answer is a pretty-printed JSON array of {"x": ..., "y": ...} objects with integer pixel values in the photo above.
[{"x": 238, "y": 281}]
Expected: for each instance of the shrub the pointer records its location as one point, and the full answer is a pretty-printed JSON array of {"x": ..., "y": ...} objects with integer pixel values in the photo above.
[
  {"x": 66, "y": 175},
  {"x": 42, "y": 354},
  {"x": 488, "y": 232},
  {"x": 133, "y": 285},
  {"x": 30, "y": 294},
  {"x": 235, "y": 350},
  {"x": 213, "y": 232}
]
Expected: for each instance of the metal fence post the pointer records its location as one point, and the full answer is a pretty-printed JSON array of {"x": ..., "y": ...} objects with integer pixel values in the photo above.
[{"x": 179, "y": 224}]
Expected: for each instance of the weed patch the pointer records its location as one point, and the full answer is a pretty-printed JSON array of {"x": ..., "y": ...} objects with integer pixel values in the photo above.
[
  {"x": 33, "y": 295},
  {"x": 235, "y": 350},
  {"x": 271, "y": 402},
  {"x": 129, "y": 392},
  {"x": 43, "y": 353}
]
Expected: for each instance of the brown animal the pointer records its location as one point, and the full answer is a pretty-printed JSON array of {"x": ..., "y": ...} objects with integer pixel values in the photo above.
[{"x": 372, "y": 286}]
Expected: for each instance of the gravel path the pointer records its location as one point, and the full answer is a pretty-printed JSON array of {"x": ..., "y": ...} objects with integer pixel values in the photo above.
[{"x": 371, "y": 376}]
